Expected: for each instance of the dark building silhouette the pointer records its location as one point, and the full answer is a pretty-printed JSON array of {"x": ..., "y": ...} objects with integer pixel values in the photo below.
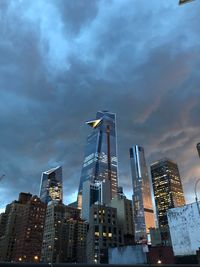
[
  {"x": 23, "y": 229},
  {"x": 198, "y": 149},
  {"x": 104, "y": 232},
  {"x": 65, "y": 233}
]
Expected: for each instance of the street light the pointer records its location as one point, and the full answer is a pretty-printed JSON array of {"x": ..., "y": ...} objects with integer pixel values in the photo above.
[{"x": 36, "y": 258}]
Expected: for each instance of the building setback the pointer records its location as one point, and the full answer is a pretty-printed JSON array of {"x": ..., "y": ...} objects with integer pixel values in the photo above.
[
  {"x": 24, "y": 225},
  {"x": 124, "y": 216},
  {"x": 104, "y": 232},
  {"x": 65, "y": 233},
  {"x": 168, "y": 192},
  {"x": 100, "y": 161},
  {"x": 51, "y": 185},
  {"x": 142, "y": 201},
  {"x": 94, "y": 192}
]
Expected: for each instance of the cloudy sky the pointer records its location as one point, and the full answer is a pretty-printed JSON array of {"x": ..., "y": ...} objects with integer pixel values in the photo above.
[{"x": 61, "y": 61}]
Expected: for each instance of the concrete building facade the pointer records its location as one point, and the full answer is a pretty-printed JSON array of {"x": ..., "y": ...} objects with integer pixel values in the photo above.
[
  {"x": 22, "y": 240},
  {"x": 104, "y": 232},
  {"x": 124, "y": 216},
  {"x": 94, "y": 192},
  {"x": 184, "y": 226},
  {"x": 65, "y": 233}
]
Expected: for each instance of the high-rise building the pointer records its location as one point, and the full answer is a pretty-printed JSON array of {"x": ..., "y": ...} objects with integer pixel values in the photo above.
[
  {"x": 104, "y": 232},
  {"x": 51, "y": 185},
  {"x": 142, "y": 201},
  {"x": 198, "y": 149},
  {"x": 100, "y": 160},
  {"x": 22, "y": 239},
  {"x": 64, "y": 238},
  {"x": 3, "y": 218},
  {"x": 12, "y": 216},
  {"x": 124, "y": 215},
  {"x": 168, "y": 192},
  {"x": 92, "y": 193}
]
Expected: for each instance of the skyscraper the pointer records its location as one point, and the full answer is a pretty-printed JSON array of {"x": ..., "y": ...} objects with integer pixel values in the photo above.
[
  {"x": 100, "y": 160},
  {"x": 198, "y": 149},
  {"x": 168, "y": 191},
  {"x": 51, "y": 185},
  {"x": 142, "y": 200}
]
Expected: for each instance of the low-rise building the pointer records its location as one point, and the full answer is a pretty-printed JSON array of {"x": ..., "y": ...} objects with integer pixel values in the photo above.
[
  {"x": 128, "y": 255},
  {"x": 155, "y": 237},
  {"x": 124, "y": 216},
  {"x": 184, "y": 225},
  {"x": 104, "y": 232}
]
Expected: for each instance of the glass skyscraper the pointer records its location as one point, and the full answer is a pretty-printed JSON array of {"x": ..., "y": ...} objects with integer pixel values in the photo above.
[
  {"x": 100, "y": 162},
  {"x": 168, "y": 192},
  {"x": 142, "y": 200},
  {"x": 51, "y": 185}
]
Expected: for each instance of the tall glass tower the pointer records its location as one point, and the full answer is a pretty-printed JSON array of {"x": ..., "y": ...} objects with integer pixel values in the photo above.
[
  {"x": 142, "y": 200},
  {"x": 100, "y": 162},
  {"x": 51, "y": 185},
  {"x": 168, "y": 192}
]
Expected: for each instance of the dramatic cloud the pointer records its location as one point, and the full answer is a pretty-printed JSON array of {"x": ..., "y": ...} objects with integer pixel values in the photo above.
[{"x": 62, "y": 61}]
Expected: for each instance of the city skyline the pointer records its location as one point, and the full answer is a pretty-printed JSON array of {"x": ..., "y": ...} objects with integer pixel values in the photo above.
[{"x": 77, "y": 63}]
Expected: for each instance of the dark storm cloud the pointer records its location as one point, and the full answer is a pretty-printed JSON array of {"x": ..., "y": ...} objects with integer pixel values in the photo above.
[{"x": 61, "y": 61}]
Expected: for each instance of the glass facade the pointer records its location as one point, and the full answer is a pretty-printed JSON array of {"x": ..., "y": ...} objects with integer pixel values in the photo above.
[
  {"x": 168, "y": 190},
  {"x": 51, "y": 185},
  {"x": 100, "y": 160},
  {"x": 142, "y": 200}
]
